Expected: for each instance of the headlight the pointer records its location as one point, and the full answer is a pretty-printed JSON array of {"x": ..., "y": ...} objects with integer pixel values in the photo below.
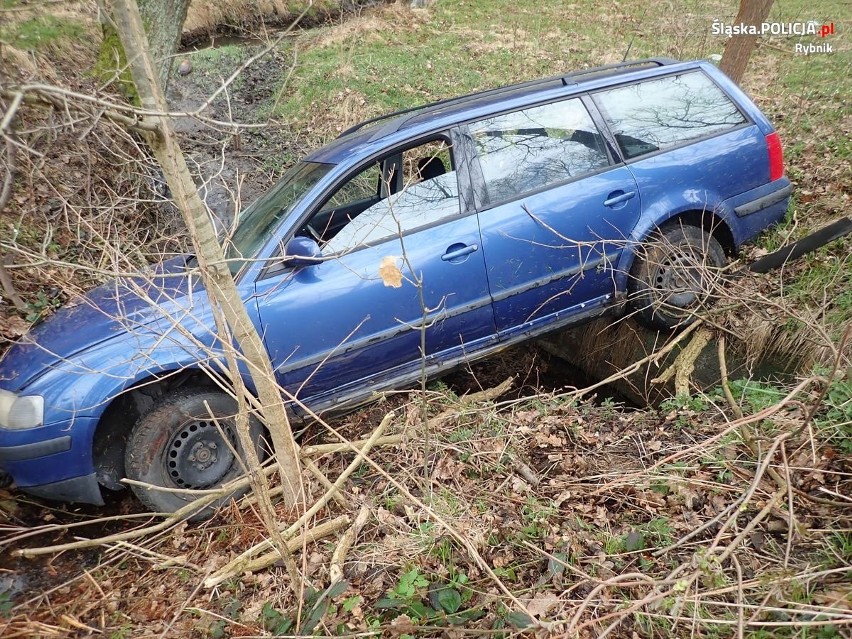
[{"x": 20, "y": 412}]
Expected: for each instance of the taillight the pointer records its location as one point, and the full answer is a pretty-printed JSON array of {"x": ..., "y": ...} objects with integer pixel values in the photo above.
[{"x": 776, "y": 156}]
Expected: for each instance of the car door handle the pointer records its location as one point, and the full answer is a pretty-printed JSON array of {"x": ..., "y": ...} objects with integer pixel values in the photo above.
[
  {"x": 456, "y": 251},
  {"x": 618, "y": 197}
]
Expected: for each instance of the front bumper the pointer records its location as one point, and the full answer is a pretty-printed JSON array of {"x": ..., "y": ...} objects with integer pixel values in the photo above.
[
  {"x": 35, "y": 450},
  {"x": 53, "y": 461},
  {"x": 81, "y": 490}
]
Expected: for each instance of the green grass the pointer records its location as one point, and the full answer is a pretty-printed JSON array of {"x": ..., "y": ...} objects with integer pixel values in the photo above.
[
  {"x": 537, "y": 515},
  {"x": 835, "y": 420},
  {"x": 807, "y": 95},
  {"x": 756, "y": 396},
  {"x": 37, "y": 33},
  {"x": 220, "y": 59},
  {"x": 839, "y": 552},
  {"x": 824, "y": 285},
  {"x": 454, "y": 49},
  {"x": 656, "y": 533},
  {"x": 211, "y": 66}
]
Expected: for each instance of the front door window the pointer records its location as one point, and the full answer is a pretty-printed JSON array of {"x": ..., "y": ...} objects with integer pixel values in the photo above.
[{"x": 407, "y": 191}]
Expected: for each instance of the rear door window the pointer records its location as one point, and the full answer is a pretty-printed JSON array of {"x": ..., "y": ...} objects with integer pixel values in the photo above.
[
  {"x": 657, "y": 114},
  {"x": 534, "y": 148}
]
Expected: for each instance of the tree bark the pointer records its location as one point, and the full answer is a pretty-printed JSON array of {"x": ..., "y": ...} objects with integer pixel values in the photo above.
[
  {"x": 739, "y": 47},
  {"x": 215, "y": 274},
  {"x": 6, "y": 191},
  {"x": 163, "y": 22}
]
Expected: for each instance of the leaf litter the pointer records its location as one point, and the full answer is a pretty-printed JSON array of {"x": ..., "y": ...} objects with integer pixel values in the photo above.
[{"x": 608, "y": 510}]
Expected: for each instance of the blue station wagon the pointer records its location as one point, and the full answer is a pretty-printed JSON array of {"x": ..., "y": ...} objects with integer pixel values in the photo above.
[{"x": 422, "y": 239}]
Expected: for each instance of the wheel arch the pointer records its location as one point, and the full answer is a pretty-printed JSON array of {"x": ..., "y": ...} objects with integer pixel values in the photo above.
[
  {"x": 712, "y": 222},
  {"x": 122, "y": 412}
]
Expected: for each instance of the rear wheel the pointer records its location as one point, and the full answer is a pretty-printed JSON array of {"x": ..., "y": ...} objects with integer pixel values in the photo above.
[
  {"x": 187, "y": 441},
  {"x": 673, "y": 275}
]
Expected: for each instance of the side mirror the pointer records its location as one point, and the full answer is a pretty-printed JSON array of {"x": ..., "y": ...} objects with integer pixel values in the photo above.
[{"x": 302, "y": 251}]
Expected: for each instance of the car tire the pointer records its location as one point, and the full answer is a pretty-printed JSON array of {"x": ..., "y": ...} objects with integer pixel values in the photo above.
[
  {"x": 673, "y": 275},
  {"x": 181, "y": 443}
]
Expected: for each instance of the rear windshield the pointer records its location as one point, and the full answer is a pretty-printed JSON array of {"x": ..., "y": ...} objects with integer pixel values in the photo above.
[{"x": 664, "y": 112}]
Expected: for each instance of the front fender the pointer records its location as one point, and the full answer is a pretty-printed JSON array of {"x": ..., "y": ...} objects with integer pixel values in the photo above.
[{"x": 86, "y": 383}]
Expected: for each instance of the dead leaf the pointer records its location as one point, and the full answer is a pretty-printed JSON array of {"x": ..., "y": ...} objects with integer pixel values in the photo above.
[
  {"x": 519, "y": 486},
  {"x": 837, "y": 599},
  {"x": 15, "y": 326},
  {"x": 563, "y": 497},
  {"x": 542, "y": 604},
  {"x": 8, "y": 508},
  {"x": 389, "y": 272},
  {"x": 402, "y": 625}
]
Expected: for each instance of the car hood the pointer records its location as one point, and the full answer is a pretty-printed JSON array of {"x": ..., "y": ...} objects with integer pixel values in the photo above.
[{"x": 108, "y": 311}]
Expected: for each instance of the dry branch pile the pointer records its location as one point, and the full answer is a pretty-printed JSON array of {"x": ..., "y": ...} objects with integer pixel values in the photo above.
[{"x": 86, "y": 201}]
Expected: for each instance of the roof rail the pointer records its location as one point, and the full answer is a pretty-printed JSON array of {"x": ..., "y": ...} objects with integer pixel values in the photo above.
[
  {"x": 456, "y": 100},
  {"x": 379, "y": 118},
  {"x": 621, "y": 66},
  {"x": 513, "y": 87}
]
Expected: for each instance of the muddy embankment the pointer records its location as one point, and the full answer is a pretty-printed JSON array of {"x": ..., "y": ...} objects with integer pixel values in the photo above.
[
  {"x": 247, "y": 19},
  {"x": 647, "y": 367}
]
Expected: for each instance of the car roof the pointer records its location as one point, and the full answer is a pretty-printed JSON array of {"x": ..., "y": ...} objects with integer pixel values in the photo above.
[{"x": 360, "y": 135}]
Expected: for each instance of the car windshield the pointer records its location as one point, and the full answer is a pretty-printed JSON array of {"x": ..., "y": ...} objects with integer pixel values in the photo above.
[{"x": 263, "y": 215}]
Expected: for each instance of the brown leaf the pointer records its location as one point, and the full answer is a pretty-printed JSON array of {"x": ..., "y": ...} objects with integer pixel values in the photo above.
[
  {"x": 542, "y": 604},
  {"x": 402, "y": 625},
  {"x": 564, "y": 496},
  {"x": 839, "y": 598},
  {"x": 14, "y": 327},
  {"x": 389, "y": 272}
]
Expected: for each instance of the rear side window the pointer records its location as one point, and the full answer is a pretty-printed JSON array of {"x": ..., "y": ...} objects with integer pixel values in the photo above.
[
  {"x": 531, "y": 149},
  {"x": 657, "y": 114}
]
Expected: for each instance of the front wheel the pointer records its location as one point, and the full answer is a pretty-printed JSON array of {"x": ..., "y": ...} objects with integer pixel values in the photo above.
[
  {"x": 187, "y": 441},
  {"x": 673, "y": 275}
]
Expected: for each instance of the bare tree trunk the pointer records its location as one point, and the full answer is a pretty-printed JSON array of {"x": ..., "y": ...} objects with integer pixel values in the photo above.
[
  {"x": 214, "y": 271},
  {"x": 6, "y": 192},
  {"x": 738, "y": 49},
  {"x": 163, "y": 22}
]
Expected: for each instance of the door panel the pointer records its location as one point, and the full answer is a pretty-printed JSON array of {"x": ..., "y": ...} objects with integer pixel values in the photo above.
[
  {"x": 554, "y": 213},
  {"x": 356, "y": 317},
  {"x": 337, "y": 322},
  {"x": 554, "y": 250}
]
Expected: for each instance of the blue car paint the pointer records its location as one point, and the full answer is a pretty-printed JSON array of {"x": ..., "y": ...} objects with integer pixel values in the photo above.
[
  {"x": 370, "y": 347},
  {"x": 528, "y": 239},
  {"x": 503, "y": 289}
]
